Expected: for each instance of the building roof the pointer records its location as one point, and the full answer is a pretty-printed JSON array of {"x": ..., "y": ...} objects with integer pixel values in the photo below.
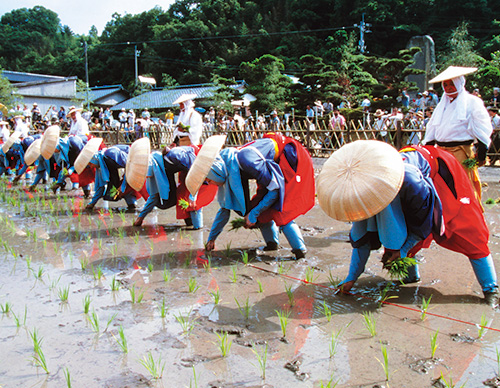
[
  {"x": 165, "y": 98},
  {"x": 100, "y": 92},
  {"x": 16, "y": 77}
]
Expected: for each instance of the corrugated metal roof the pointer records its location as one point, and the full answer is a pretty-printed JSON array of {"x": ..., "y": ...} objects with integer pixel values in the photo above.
[
  {"x": 16, "y": 76},
  {"x": 99, "y": 92}
]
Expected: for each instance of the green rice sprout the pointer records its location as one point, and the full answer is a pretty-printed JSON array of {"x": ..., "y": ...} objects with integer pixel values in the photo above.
[
  {"x": 167, "y": 275},
  {"x": 122, "y": 216},
  {"x": 290, "y": 294},
  {"x": 449, "y": 383},
  {"x": 385, "y": 361},
  {"x": 244, "y": 257},
  {"x": 135, "y": 237},
  {"x": 207, "y": 265},
  {"x": 67, "y": 377},
  {"x": 113, "y": 193},
  {"x": 482, "y": 327},
  {"x": 17, "y": 320},
  {"x": 434, "y": 344},
  {"x": 183, "y": 204},
  {"x": 154, "y": 367},
  {"x": 97, "y": 272},
  {"x": 398, "y": 269},
  {"x": 470, "y": 163},
  {"x": 234, "y": 275},
  {"x": 163, "y": 308},
  {"x": 195, "y": 378},
  {"x": 335, "y": 340},
  {"x": 86, "y": 304},
  {"x": 244, "y": 309},
  {"x": 121, "y": 232},
  {"x": 84, "y": 263},
  {"x": 135, "y": 298},
  {"x": 53, "y": 283},
  {"x": 93, "y": 319},
  {"x": 261, "y": 287},
  {"x": 283, "y": 318},
  {"x": 328, "y": 311},
  {"x": 384, "y": 296},
  {"x": 110, "y": 320},
  {"x": 310, "y": 275},
  {"x": 227, "y": 250},
  {"x": 262, "y": 361},
  {"x": 224, "y": 343},
  {"x": 281, "y": 267},
  {"x": 6, "y": 308},
  {"x": 329, "y": 383},
  {"x": 150, "y": 267},
  {"x": 122, "y": 340},
  {"x": 39, "y": 358},
  {"x": 425, "y": 307},
  {"x": 490, "y": 201},
  {"x": 151, "y": 245},
  {"x": 237, "y": 223},
  {"x": 186, "y": 323},
  {"x": 63, "y": 294},
  {"x": 192, "y": 285},
  {"x": 498, "y": 361},
  {"x": 39, "y": 273},
  {"x": 215, "y": 295},
  {"x": 370, "y": 323},
  {"x": 115, "y": 284}
]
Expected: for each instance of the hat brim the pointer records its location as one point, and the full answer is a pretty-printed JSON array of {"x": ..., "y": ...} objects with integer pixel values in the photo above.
[
  {"x": 33, "y": 152},
  {"x": 359, "y": 180},
  {"x": 452, "y": 72},
  {"x": 49, "y": 141},
  {"x": 203, "y": 162},
  {"x": 87, "y": 152},
  {"x": 10, "y": 142},
  {"x": 185, "y": 97},
  {"x": 136, "y": 168}
]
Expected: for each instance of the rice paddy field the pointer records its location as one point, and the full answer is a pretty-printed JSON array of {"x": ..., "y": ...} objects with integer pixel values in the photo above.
[{"x": 88, "y": 300}]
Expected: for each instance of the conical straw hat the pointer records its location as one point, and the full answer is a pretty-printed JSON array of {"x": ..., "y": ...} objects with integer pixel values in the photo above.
[
  {"x": 359, "y": 180},
  {"x": 33, "y": 152},
  {"x": 10, "y": 141},
  {"x": 185, "y": 97},
  {"x": 87, "y": 152},
  {"x": 49, "y": 141},
  {"x": 452, "y": 72},
  {"x": 203, "y": 162},
  {"x": 137, "y": 163}
]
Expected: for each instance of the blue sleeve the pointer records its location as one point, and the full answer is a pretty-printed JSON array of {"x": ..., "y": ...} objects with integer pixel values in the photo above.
[
  {"x": 221, "y": 219},
  {"x": 266, "y": 202},
  {"x": 99, "y": 193},
  {"x": 23, "y": 170},
  {"x": 291, "y": 156},
  {"x": 123, "y": 187},
  {"x": 181, "y": 157}
]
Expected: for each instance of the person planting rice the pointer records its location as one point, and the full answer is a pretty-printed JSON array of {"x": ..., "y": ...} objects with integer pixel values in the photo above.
[
  {"x": 164, "y": 192},
  {"x": 394, "y": 200},
  {"x": 22, "y": 146},
  {"x": 284, "y": 174}
]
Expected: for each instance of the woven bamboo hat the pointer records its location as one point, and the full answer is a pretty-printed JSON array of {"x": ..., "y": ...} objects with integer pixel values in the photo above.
[
  {"x": 452, "y": 72},
  {"x": 33, "y": 152},
  {"x": 137, "y": 163},
  {"x": 203, "y": 162},
  {"x": 359, "y": 180},
  {"x": 87, "y": 152},
  {"x": 10, "y": 141},
  {"x": 185, "y": 97},
  {"x": 49, "y": 141}
]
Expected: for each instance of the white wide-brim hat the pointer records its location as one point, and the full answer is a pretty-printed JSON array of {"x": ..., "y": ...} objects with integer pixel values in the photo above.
[
  {"x": 87, "y": 152},
  {"x": 452, "y": 72},
  {"x": 136, "y": 169},
  {"x": 185, "y": 97},
  {"x": 203, "y": 162},
  {"x": 49, "y": 141},
  {"x": 33, "y": 152},
  {"x": 359, "y": 180},
  {"x": 10, "y": 141},
  {"x": 74, "y": 110}
]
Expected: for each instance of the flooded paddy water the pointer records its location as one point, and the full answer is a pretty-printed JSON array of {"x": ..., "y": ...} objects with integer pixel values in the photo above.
[{"x": 153, "y": 294}]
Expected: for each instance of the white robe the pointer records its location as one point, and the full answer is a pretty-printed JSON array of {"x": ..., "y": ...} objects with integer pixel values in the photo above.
[
  {"x": 79, "y": 127},
  {"x": 190, "y": 117}
]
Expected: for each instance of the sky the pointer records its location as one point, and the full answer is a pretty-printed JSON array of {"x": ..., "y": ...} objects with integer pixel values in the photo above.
[{"x": 81, "y": 15}]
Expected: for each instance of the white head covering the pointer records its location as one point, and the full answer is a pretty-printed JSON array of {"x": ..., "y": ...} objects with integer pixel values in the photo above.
[{"x": 459, "y": 105}]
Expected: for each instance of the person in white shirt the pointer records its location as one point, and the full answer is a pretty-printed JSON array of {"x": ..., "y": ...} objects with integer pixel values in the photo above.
[
  {"x": 460, "y": 122},
  {"x": 21, "y": 127},
  {"x": 189, "y": 126},
  {"x": 4, "y": 131},
  {"x": 79, "y": 126}
]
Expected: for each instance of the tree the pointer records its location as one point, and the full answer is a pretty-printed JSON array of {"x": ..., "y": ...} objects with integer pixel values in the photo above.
[
  {"x": 460, "y": 50},
  {"x": 8, "y": 97},
  {"x": 224, "y": 94}
]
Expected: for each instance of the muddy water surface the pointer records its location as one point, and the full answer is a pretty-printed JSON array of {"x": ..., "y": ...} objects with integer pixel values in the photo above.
[{"x": 49, "y": 245}]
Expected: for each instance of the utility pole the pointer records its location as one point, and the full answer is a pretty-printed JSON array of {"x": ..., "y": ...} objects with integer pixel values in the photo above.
[
  {"x": 363, "y": 29},
  {"x": 136, "y": 55},
  {"x": 87, "y": 76}
]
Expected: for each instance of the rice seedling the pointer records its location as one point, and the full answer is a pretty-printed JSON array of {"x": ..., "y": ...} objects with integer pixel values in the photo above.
[
  {"x": 207, "y": 264},
  {"x": 97, "y": 272},
  {"x": 215, "y": 295},
  {"x": 55, "y": 246},
  {"x": 385, "y": 361},
  {"x": 67, "y": 377},
  {"x": 167, "y": 275},
  {"x": 154, "y": 367},
  {"x": 290, "y": 294},
  {"x": 113, "y": 250},
  {"x": 6, "y": 308},
  {"x": 283, "y": 318},
  {"x": 237, "y": 223},
  {"x": 111, "y": 214},
  {"x": 281, "y": 268},
  {"x": 482, "y": 327},
  {"x": 39, "y": 357},
  {"x": 384, "y": 296},
  {"x": 187, "y": 324},
  {"x": 17, "y": 319},
  {"x": 224, "y": 343},
  {"x": 329, "y": 383},
  {"x": 63, "y": 294},
  {"x": 398, "y": 269},
  {"x": 261, "y": 287},
  {"x": 135, "y": 298},
  {"x": 192, "y": 285},
  {"x": 151, "y": 245},
  {"x": 122, "y": 216},
  {"x": 245, "y": 309},
  {"x": 498, "y": 361},
  {"x": 335, "y": 340},
  {"x": 121, "y": 233},
  {"x": 187, "y": 259},
  {"x": 122, "y": 340},
  {"x": 110, "y": 320},
  {"x": 163, "y": 308},
  {"x": 28, "y": 264},
  {"x": 449, "y": 383},
  {"x": 99, "y": 243},
  {"x": 183, "y": 203},
  {"x": 135, "y": 237},
  {"x": 262, "y": 360},
  {"x": 234, "y": 275},
  {"x": 328, "y": 311},
  {"x": 171, "y": 255},
  {"x": 150, "y": 267},
  {"x": 93, "y": 319},
  {"x": 227, "y": 250},
  {"x": 244, "y": 257},
  {"x": 370, "y": 323},
  {"x": 53, "y": 283},
  {"x": 86, "y": 304},
  {"x": 309, "y": 275},
  {"x": 434, "y": 344},
  {"x": 115, "y": 284},
  {"x": 56, "y": 222},
  {"x": 193, "y": 384},
  {"x": 425, "y": 307}
]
